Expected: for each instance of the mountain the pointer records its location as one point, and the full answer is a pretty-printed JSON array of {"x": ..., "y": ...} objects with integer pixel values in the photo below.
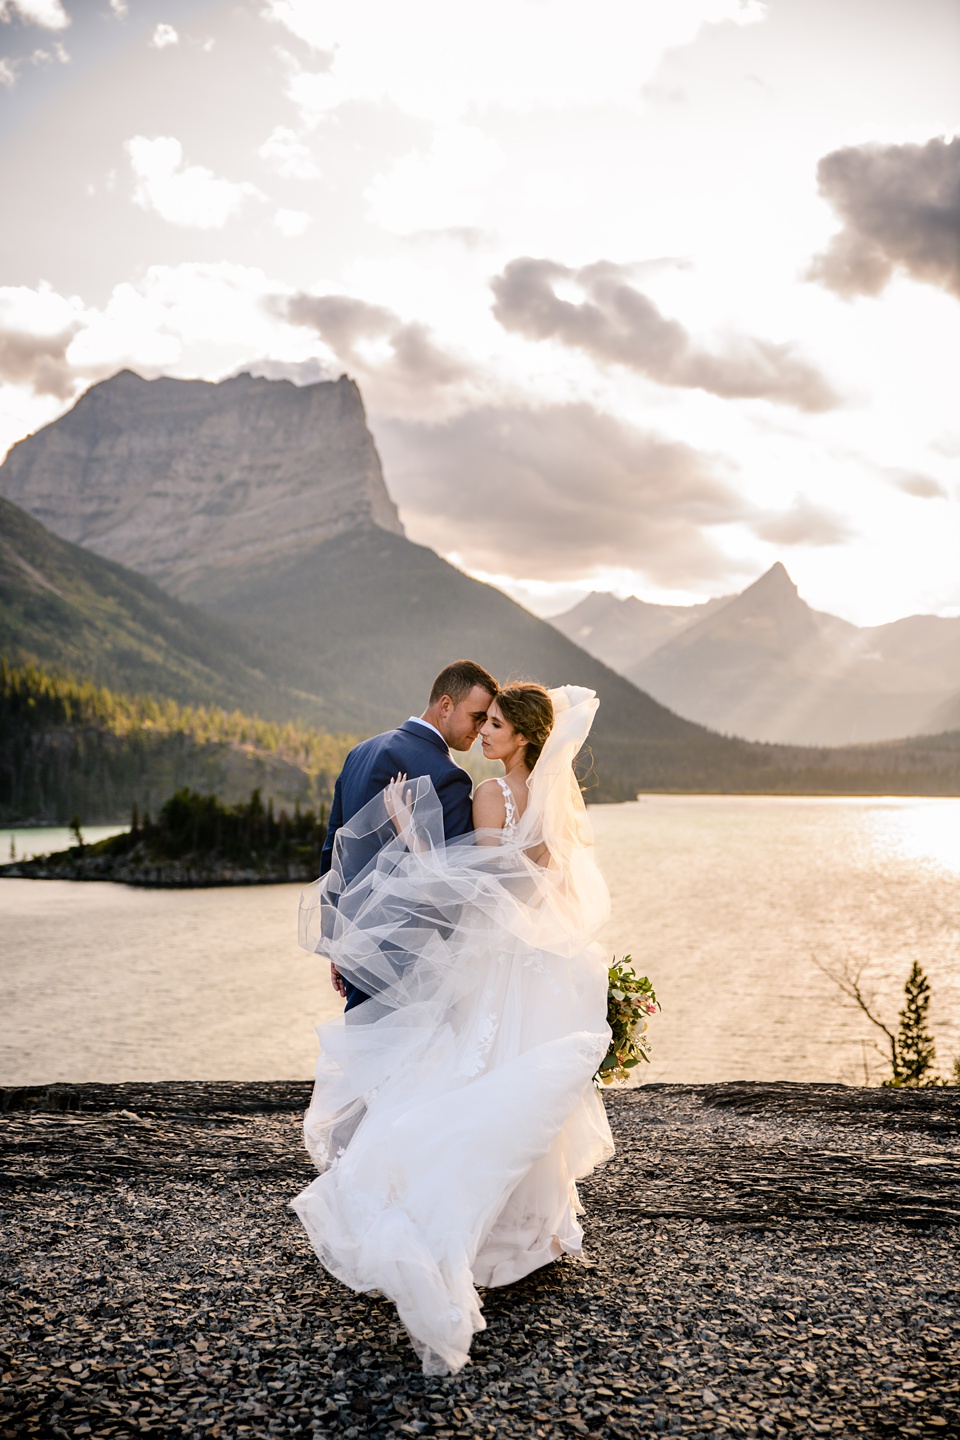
[
  {"x": 765, "y": 666},
  {"x": 339, "y": 619},
  {"x": 178, "y": 478},
  {"x": 348, "y": 618},
  {"x": 622, "y": 633},
  {"x": 73, "y": 612}
]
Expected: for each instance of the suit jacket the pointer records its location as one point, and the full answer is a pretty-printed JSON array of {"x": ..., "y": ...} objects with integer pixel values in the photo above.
[{"x": 412, "y": 749}]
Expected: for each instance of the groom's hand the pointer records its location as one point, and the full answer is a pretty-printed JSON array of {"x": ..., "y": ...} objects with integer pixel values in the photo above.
[{"x": 336, "y": 980}]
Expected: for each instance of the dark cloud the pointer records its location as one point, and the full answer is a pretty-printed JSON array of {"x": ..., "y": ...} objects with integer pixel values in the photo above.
[
  {"x": 900, "y": 208},
  {"x": 39, "y": 361},
  {"x": 414, "y": 362},
  {"x": 543, "y": 492},
  {"x": 803, "y": 524},
  {"x": 616, "y": 323}
]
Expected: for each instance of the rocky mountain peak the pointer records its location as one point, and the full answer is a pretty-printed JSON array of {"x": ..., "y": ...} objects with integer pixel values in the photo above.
[{"x": 181, "y": 479}]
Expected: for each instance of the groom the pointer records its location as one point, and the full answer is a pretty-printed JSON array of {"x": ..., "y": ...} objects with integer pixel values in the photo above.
[{"x": 420, "y": 746}]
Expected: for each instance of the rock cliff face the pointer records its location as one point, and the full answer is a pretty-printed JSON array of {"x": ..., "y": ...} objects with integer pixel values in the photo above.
[{"x": 183, "y": 480}]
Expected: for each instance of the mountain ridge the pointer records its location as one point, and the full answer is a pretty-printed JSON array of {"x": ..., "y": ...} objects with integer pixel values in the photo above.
[{"x": 766, "y": 666}]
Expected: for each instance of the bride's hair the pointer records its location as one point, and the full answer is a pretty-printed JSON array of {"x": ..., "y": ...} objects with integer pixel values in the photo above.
[{"x": 528, "y": 708}]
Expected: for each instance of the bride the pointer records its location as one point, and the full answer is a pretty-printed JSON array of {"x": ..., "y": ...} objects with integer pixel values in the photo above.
[{"x": 454, "y": 1110}]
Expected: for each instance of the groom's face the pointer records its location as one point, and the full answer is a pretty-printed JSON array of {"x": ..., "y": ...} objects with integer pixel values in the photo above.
[{"x": 460, "y": 724}]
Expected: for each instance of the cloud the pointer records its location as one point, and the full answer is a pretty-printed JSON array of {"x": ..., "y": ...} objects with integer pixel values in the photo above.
[
  {"x": 912, "y": 482},
  {"x": 48, "y": 14},
  {"x": 291, "y": 223},
  {"x": 47, "y": 57},
  {"x": 164, "y": 36},
  {"x": 119, "y": 8},
  {"x": 546, "y": 492},
  {"x": 188, "y": 195},
  {"x": 284, "y": 149},
  {"x": 804, "y": 524},
  {"x": 440, "y": 189},
  {"x": 36, "y": 329},
  {"x": 299, "y": 372},
  {"x": 398, "y": 362},
  {"x": 422, "y": 58},
  {"x": 900, "y": 208},
  {"x": 8, "y": 73},
  {"x": 615, "y": 323}
]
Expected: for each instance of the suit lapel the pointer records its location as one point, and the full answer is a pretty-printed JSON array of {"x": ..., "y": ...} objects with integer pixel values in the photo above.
[{"x": 420, "y": 732}]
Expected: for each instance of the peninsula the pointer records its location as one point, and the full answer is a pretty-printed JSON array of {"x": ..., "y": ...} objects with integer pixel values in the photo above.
[{"x": 195, "y": 841}]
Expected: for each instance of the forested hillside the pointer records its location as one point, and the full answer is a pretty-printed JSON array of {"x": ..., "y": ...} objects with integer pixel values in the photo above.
[
  {"x": 72, "y": 612},
  {"x": 72, "y": 748}
]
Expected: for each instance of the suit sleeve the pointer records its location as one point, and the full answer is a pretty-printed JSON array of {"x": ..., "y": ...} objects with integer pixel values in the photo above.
[
  {"x": 334, "y": 821},
  {"x": 453, "y": 792}
]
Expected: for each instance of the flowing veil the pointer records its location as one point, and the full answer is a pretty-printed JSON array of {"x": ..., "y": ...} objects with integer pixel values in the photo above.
[{"x": 453, "y": 1111}]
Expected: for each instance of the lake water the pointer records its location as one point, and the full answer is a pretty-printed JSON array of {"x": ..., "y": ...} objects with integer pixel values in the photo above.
[{"x": 724, "y": 901}]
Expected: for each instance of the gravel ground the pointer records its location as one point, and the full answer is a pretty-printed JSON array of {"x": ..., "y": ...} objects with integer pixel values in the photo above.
[{"x": 766, "y": 1260}]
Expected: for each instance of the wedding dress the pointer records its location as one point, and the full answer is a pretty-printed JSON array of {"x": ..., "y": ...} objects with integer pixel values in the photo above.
[{"x": 454, "y": 1111}]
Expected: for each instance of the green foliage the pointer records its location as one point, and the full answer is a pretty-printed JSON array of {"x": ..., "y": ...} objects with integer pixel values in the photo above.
[
  {"x": 199, "y": 828},
  {"x": 630, "y": 1001},
  {"x": 914, "y": 1051},
  {"x": 70, "y": 747}
]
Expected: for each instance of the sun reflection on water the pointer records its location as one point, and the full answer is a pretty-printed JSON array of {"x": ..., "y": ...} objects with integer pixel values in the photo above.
[{"x": 927, "y": 831}]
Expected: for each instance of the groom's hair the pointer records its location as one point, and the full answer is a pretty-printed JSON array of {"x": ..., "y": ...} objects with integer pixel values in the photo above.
[{"x": 458, "y": 679}]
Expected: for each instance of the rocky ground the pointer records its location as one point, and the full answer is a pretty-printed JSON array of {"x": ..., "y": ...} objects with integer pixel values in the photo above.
[{"x": 767, "y": 1260}]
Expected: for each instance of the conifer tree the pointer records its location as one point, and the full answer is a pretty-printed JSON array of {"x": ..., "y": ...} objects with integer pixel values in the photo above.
[{"x": 915, "y": 1049}]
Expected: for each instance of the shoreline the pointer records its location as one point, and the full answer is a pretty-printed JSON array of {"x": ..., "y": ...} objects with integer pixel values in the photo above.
[
  {"x": 765, "y": 1259},
  {"x": 171, "y": 875}
]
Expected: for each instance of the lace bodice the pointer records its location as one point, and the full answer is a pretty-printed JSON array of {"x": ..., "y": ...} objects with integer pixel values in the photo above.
[{"x": 510, "y": 823}]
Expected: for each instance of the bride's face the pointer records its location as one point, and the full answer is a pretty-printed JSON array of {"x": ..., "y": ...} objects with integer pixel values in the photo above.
[{"x": 498, "y": 738}]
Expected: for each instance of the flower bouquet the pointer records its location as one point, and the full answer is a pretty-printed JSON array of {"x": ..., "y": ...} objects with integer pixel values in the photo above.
[{"x": 630, "y": 1000}]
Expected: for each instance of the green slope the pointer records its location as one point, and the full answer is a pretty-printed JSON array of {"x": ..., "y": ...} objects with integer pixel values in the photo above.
[
  {"x": 70, "y": 747},
  {"x": 72, "y": 611}
]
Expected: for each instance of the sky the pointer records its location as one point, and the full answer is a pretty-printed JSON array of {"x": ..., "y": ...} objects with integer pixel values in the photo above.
[{"x": 641, "y": 297}]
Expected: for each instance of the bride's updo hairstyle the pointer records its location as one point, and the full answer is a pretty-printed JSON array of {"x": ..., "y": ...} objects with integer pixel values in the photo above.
[{"x": 528, "y": 708}]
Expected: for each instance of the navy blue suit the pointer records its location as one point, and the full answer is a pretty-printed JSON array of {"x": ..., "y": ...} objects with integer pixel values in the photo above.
[{"x": 413, "y": 749}]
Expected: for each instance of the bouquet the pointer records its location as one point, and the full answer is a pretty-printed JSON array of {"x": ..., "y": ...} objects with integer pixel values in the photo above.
[{"x": 630, "y": 1000}]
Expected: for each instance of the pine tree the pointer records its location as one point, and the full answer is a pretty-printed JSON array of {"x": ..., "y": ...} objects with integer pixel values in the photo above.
[{"x": 915, "y": 1050}]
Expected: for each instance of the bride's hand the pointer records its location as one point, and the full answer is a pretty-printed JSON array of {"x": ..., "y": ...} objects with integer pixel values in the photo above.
[{"x": 398, "y": 798}]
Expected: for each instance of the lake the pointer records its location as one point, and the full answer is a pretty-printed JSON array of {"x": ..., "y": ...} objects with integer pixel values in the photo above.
[{"x": 724, "y": 901}]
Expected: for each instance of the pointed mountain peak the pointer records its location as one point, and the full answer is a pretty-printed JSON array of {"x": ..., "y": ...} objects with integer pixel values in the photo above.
[{"x": 776, "y": 580}]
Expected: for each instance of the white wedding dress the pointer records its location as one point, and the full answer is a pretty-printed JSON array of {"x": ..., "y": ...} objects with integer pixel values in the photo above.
[{"x": 454, "y": 1111}]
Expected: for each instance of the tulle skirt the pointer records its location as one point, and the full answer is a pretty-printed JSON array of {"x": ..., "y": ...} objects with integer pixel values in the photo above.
[{"x": 451, "y": 1133}]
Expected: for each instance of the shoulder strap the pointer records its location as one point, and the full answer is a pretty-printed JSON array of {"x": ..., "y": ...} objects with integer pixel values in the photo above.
[{"x": 508, "y": 800}]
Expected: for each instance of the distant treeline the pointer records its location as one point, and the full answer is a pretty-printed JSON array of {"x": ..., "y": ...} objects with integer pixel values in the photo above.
[
  {"x": 922, "y": 765},
  {"x": 201, "y": 826},
  {"x": 72, "y": 748}
]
